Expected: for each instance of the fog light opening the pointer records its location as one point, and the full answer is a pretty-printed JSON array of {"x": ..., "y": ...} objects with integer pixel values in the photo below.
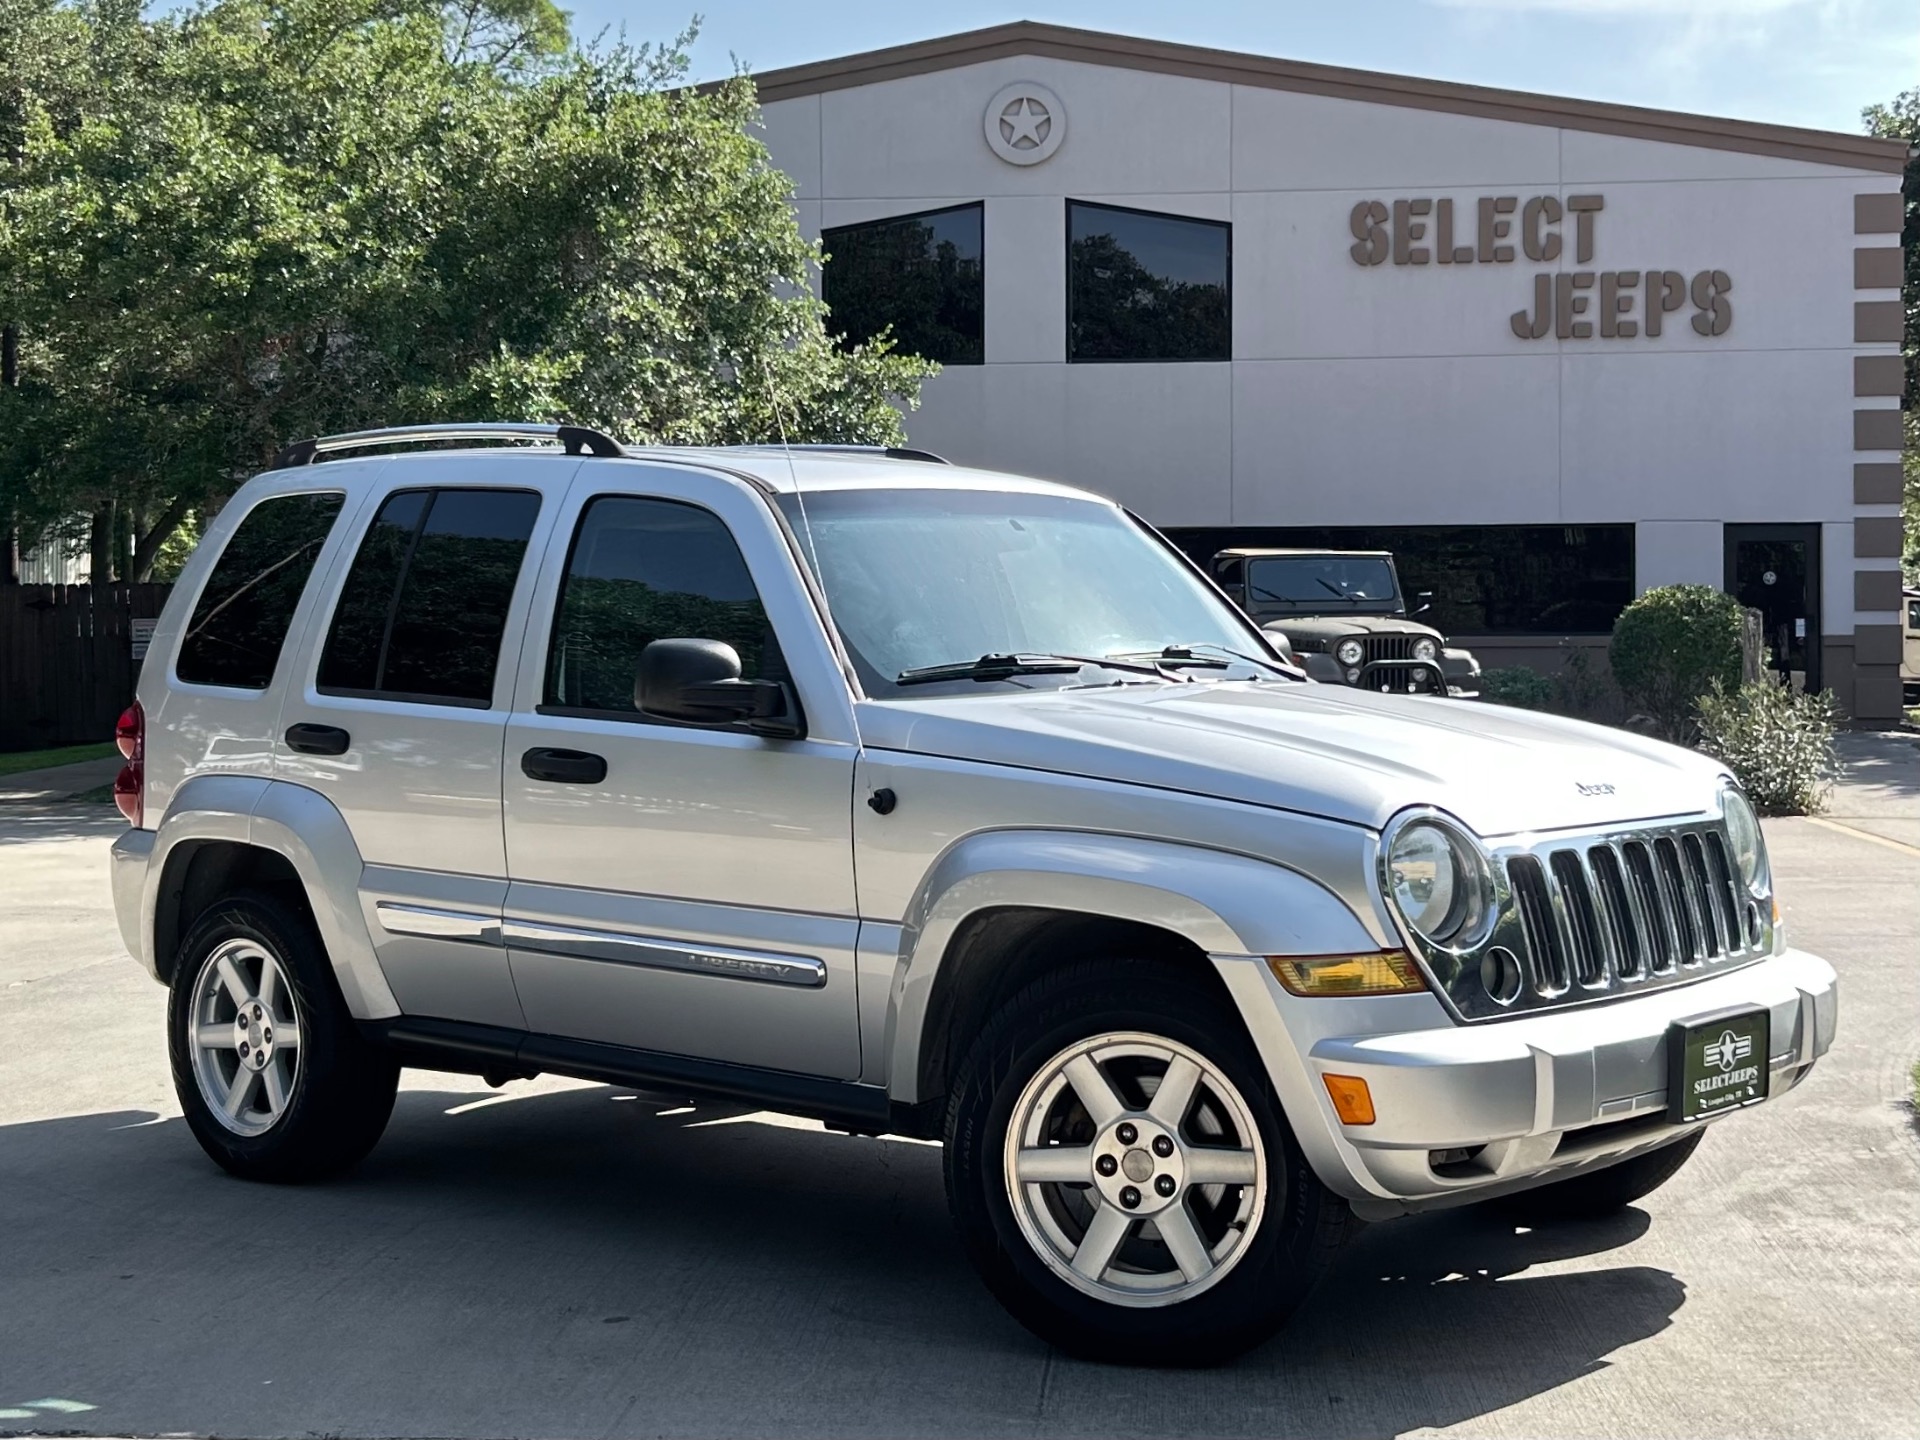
[
  {"x": 1500, "y": 975},
  {"x": 1457, "y": 1162}
]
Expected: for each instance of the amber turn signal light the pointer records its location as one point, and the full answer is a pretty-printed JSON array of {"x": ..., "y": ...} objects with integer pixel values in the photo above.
[
  {"x": 1381, "y": 972},
  {"x": 1352, "y": 1101}
]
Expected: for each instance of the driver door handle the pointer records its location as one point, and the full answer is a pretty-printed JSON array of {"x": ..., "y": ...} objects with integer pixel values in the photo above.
[{"x": 564, "y": 767}]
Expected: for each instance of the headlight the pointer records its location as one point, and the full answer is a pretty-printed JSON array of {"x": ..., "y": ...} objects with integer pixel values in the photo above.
[
  {"x": 1425, "y": 649},
  {"x": 1743, "y": 834},
  {"x": 1349, "y": 652},
  {"x": 1438, "y": 882}
]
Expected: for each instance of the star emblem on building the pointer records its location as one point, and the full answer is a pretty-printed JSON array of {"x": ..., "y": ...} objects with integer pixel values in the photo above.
[{"x": 1025, "y": 123}]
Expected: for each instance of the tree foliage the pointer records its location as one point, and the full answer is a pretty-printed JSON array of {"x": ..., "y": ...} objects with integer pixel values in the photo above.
[
  {"x": 252, "y": 220},
  {"x": 1672, "y": 646},
  {"x": 1900, "y": 120}
]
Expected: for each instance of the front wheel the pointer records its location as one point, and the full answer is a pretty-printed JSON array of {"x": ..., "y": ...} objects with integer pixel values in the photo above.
[
  {"x": 275, "y": 1080},
  {"x": 1122, "y": 1175}
]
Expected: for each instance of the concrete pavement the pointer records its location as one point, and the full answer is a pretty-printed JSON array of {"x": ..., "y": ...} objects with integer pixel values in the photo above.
[{"x": 563, "y": 1259}]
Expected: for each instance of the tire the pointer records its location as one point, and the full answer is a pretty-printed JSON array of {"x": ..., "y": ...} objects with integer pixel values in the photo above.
[
  {"x": 1603, "y": 1192},
  {"x": 1262, "y": 1246},
  {"x": 311, "y": 1109}
]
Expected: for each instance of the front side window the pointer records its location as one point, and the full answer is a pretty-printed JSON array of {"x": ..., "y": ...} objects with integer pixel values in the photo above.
[
  {"x": 643, "y": 570},
  {"x": 424, "y": 608},
  {"x": 1142, "y": 286},
  {"x": 1913, "y": 614},
  {"x": 919, "y": 275},
  {"x": 918, "y": 578},
  {"x": 246, "y": 609}
]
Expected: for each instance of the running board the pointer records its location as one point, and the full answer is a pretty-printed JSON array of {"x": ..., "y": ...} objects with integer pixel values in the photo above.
[{"x": 498, "y": 1053}]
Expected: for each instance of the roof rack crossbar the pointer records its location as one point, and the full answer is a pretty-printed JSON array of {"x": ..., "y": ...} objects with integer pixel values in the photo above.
[
  {"x": 574, "y": 439},
  {"x": 824, "y": 447}
]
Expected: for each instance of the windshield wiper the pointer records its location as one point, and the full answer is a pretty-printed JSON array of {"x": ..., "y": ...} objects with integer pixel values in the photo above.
[
  {"x": 1184, "y": 655},
  {"x": 1343, "y": 594},
  {"x": 1002, "y": 667}
]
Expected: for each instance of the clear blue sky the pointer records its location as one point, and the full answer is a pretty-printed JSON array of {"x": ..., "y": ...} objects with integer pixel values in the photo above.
[{"x": 1796, "y": 62}]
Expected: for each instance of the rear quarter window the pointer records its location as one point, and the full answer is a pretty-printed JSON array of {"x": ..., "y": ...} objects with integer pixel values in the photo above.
[{"x": 241, "y": 620}]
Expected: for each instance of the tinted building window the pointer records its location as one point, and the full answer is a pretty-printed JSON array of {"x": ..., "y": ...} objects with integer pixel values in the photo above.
[
  {"x": 919, "y": 274},
  {"x": 425, "y": 605},
  {"x": 646, "y": 570},
  {"x": 1484, "y": 579},
  {"x": 237, "y": 629},
  {"x": 1142, "y": 286}
]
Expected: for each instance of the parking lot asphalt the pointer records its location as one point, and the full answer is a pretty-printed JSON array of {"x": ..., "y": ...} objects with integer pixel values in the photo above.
[{"x": 570, "y": 1260}]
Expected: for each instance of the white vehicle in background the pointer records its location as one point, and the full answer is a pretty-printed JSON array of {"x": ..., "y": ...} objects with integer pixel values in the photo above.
[{"x": 921, "y": 801}]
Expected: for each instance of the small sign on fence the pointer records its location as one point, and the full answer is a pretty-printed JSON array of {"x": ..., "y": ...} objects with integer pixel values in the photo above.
[{"x": 142, "y": 636}]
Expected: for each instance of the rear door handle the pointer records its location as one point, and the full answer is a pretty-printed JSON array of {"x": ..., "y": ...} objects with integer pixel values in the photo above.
[
  {"x": 318, "y": 739},
  {"x": 567, "y": 767}
]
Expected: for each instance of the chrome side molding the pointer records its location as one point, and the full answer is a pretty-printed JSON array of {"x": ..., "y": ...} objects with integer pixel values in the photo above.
[
  {"x": 437, "y": 922},
  {"x": 660, "y": 954}
]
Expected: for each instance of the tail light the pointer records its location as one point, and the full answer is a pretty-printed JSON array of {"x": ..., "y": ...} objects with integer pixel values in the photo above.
[{"x": 130, "y": 785}]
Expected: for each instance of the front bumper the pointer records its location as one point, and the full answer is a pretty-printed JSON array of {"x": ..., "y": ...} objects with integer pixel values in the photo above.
[{"x": 1529, "y": 1100}]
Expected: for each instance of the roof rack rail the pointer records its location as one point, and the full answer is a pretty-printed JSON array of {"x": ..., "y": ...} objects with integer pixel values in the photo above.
[
  {"x": 890, "y": 452},
  {"x": 575, "y": 439}
]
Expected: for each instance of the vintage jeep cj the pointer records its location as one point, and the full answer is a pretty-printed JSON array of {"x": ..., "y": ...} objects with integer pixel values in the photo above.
[{"x": 1344, "y": 617}]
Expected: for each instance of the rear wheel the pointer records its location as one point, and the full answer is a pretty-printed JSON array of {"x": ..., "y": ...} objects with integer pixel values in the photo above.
[
  {"x": 1602, "y": 1192},
  {"x": 1122, "y": 1175},
  {"x": 275, "y": 1080}
]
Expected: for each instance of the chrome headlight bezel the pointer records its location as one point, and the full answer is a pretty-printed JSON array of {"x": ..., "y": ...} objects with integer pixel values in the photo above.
[
  {"x": 1471, "y": 909},
  {"x": 1350, "y": 652},
  {"x": 1745, "y": 842},
  {"x": 1426, "y": 648}
]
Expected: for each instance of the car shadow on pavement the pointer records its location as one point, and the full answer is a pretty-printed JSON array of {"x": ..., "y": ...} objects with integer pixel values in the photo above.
[
  {"x": 24, "y": 821},
  {"x": 596, "y": 1261}
]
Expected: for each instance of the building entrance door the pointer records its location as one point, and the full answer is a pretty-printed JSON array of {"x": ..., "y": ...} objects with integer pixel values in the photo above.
[{"x": 1775, "y": 569}]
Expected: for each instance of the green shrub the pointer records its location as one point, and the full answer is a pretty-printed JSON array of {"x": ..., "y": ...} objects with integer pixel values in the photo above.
[
  {"x": 1777, "y": 741},
  {"x": 1672, "y": 646},
  {"x": 1516, "y": 685}
]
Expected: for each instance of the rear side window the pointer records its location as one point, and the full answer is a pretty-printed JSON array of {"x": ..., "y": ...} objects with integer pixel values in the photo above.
[
  {"x": 237, "y": 629},
  {"x": 424, "y": 608},
  {"x": 646, "y": 570}
]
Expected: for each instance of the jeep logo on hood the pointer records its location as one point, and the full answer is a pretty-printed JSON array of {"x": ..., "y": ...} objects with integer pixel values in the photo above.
[{"x": 1597, "y": 787}]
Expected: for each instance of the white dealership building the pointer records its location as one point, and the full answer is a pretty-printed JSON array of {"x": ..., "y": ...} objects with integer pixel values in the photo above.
[{"x": 1551, "y": 352}]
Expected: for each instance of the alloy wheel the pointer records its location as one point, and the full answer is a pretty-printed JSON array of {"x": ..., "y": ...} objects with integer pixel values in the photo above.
[
  {"x": 245, "y": 1037},
  {"x": 1135, "y": 1169}
]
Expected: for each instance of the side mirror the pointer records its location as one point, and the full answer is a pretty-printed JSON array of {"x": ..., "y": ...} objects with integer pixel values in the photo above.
[
  {"x": 1425, "y": 597},
  {"x": 699, "y": 682}
]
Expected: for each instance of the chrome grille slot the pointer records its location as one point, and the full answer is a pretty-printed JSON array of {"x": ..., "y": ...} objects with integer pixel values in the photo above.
[
  {"x": 1610, "y": 889},
  {"x": 1546, "y": 953},
  {"x": 1583, "y": 923},
  {"x": 1700, "y": 895},
  {"x": 1673, "y": 889},
  {"x": 1663, "y": 953},
  {"x": 1726, "y": 894}
]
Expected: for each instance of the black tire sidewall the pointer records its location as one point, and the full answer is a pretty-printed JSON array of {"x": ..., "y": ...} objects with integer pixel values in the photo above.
[
  {"x": 343, "y": 1091},
  {"x": 1298, "y": 1230}
]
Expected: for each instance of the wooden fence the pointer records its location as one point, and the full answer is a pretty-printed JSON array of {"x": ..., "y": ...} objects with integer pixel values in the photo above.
[{"x": 66, "y": 660}]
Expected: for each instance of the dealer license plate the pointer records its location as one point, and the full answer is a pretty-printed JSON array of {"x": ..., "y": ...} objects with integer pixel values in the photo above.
[{"x": 1716, "y": 1062}]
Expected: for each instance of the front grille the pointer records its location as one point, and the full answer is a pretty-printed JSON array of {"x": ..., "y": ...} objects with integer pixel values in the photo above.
[
  {"x": 1608, "y": 913},
  {"x": 1390, "y": 647}
]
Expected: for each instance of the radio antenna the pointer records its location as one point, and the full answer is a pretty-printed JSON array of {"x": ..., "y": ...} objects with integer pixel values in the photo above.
[{"x": 816, "y": 575}]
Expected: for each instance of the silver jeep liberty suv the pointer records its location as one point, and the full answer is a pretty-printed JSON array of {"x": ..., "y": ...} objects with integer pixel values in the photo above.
[{"x": 919, "y": 801}]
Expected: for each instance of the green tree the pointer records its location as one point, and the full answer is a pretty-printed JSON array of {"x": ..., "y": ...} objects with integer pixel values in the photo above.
[
  {"x": 272, "y": 218},
  {"x": 1900, "y": 120}
]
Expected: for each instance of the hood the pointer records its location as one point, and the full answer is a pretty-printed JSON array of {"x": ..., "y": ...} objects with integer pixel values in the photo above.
[
  {"x": 1326, "y": 750},
  {"x": 1338, "y": 627}
]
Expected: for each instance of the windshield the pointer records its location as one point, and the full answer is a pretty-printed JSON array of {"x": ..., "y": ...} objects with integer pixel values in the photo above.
[
  {"x": 1322, "y": 579},
  {"x": 919, "y": 578}
]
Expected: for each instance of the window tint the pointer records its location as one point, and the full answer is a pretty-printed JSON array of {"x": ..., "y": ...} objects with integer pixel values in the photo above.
[
  {"x": 425, "y": 605},
  {"x": 646, "y": 570},
  {"x": 237, "y": 629},
  {"x": 920, "y": 274},
  {"x": 1146, "y": 287},
  {"x": 1485, "y": 579}
]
